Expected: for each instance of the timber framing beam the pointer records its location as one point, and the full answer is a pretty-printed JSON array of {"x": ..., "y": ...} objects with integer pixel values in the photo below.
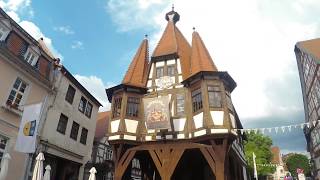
[{"x": 166, "y": 156}]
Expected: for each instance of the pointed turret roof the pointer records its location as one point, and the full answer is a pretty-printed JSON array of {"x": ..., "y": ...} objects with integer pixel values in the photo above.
[
  {"x": 200, "y": 57},
  {"x": 174, "y": 43},
  {"x": 136, "y": 74}
]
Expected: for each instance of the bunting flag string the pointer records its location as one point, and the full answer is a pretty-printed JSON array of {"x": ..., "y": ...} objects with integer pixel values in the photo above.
[
  {"x": 283, "y": 129},
  {"x": 269, "y": 165}
]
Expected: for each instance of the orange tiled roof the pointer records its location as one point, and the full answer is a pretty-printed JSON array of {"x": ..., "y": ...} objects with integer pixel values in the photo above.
[
  {"x": 172, "y": 41},
  {"x": 312, "y": 46},
  {"x": 276, "y": 155},
  {"x": 136, "y": 74},
  {"x": 168, "y": 43},
  {"x": 102, "y": 124},
  {"x": 200, "y": 57}
]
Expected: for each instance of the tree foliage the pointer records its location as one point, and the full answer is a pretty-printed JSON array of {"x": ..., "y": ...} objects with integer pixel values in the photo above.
[
  {"x": 261, "y": 146},
  {"x": 295, "y": 161}
]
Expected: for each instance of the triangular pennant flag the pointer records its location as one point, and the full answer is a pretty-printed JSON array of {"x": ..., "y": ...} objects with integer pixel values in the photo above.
[
  {"x": 308, "y": 125},
  {"x": 283, "y": 128},
  {"x": 241, "y": 131},
  {"x": 295, "y": 126},
  {"x": 302, "y": 125},
  {"x": 255, "y": 131},
  {"x": 262, "y": 130},
  {"x": 289, "y": 128},
  {"x": 276, "y": 129},
  {"x": 314, "y": 123},
  {"x": 269, "y": 129}
]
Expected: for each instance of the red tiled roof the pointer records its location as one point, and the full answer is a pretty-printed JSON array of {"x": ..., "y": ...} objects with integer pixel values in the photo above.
[
  {"x": 276, "y": 155},
  {"x": 168, "y": 43},
  {"x": 102, "y": 124},
  {"x": 136, "y": 74},
  {"x": 173, "y": 42},
  {"x": 200, "y": 57}
]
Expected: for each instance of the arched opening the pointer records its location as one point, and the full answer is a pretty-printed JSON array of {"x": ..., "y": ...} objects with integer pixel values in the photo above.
[
  {"x": 193, "y": 165},
  {"x": 141, "y": 167}
]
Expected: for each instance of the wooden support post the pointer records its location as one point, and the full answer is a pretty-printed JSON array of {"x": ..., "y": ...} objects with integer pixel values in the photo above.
[
  {"x": 122, "y": 165},
  {"x": 166, "y": 159}
]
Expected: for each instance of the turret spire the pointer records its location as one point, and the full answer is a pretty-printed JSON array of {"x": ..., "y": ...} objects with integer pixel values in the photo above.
[
  {"x": 136, "y": 74},
  {"x": 200, "y": 57}
]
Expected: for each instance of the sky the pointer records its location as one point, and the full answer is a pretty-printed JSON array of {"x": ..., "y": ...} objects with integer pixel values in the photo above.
[{"x": 251, "y": 39}]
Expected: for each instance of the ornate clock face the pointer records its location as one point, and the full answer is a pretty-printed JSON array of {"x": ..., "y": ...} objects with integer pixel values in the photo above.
[{"x": 165, "y": 82}]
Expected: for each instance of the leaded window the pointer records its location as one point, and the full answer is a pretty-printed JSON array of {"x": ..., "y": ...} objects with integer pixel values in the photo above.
[
  {"x": 133, "y": 106},
  {"x": 171, "y": 70},
  {"x": 196, "y": 100},
  {"x": 116, "y": 107},
  {"x": 159, "y": 72},
  {"x": 180, "y": 104},
  {"x": 215, "y": 100}
]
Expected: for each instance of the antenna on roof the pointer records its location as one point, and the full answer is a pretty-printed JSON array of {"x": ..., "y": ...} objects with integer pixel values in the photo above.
[{"x": 172, "y": 7}]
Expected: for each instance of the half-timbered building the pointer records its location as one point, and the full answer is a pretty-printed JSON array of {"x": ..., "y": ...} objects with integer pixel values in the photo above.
[{"x": 173, "y": 112}]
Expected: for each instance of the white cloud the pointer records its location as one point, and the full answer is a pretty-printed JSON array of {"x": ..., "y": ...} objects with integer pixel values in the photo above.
[
  {"x": 77, "y": 45},
  {"x": 36, "y": 33},
  {"x": 97, "y": 88},
  {"x": 14, "y": 16},
  {"x": 134, "y": 14},
  {"x": 65, "y": 29},
  {"x": 14, "y": 7},
  {"x": 246, "y": 38}
]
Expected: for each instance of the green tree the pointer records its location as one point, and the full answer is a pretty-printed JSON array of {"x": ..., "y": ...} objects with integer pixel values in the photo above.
[
  {"x": 261, "y": 146},
  {"x": 295, "y": 161}
]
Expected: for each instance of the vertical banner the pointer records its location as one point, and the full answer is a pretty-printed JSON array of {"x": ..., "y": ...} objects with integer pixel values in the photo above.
[
  {"x": 156, "y": 112},
  {"x": 26, "y": 140}
]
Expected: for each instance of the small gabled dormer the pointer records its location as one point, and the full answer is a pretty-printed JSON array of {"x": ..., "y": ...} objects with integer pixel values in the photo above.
[
  {"x": 32, "y": 55},
  {"x": 170, "y": 59},
  {"x": 5, "y": 29}
]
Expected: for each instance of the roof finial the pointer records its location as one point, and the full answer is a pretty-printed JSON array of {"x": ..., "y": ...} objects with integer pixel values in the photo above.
[
  {"x": 193, "y": 28},
  {"x": 172, "y": 15},
  {"x": 146, "y": 36}
]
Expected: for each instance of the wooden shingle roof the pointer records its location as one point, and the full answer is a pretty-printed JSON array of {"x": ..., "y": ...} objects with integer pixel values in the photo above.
[
  {"x": 136, "y": 74},
  {"x": 200, "y": 57},
  {"x": 173, "y": 42}
]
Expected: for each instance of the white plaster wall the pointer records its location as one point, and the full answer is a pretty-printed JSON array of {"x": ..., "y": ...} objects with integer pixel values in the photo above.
[
  {"x": 198, "y": 120},
  {"x": 179, "y": 124},
  {"x": 9, "y": 121},
  {"x": 60, "y": 105},
  {"x": 217, "y": 117}
]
